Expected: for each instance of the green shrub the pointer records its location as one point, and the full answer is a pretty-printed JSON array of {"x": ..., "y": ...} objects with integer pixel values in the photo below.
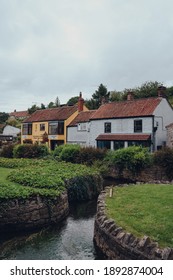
[
  {"x": 77, "y": 154},
  {"x": 86, "y": 187},
  {"x": 58, "y": 150},
  {"x": 30, "y": 151},
  {"x": 7, "y": 151},
  {"x": 133, "y": 158},
  {"x": 70, "y": 153},
  {"x": 164, "y": 159},
  {"x": 89, "y": 155}
]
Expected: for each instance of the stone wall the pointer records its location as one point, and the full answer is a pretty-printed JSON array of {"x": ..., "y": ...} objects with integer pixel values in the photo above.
[
  {"x": 34, "y": 212},
  {"x": 153, "y": 174},
  {"x": 115, "y": 243}
]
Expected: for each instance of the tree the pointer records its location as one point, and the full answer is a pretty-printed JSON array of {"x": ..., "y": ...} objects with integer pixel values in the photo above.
[
  {"x": 100, "y": 95},
  {"x": 116, "y": 96},
  {"x": 73, "y": 100},
  {"x": 3, "y": 117},
  {"x": 54, "y": 104},
  {"x": 147, "y": 89},
  {"x": 43, "y": 106},
  {"x": 57, "y": 102},
  {"x": 51, "y": 105},
  {"x": 33, "y": 109}
]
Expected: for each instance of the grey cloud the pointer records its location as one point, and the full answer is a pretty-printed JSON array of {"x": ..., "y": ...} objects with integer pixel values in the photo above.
[{"x": 58, "y": 48}]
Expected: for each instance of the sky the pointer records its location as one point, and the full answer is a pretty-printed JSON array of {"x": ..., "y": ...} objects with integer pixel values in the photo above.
[{"x": 58, "y": 48}]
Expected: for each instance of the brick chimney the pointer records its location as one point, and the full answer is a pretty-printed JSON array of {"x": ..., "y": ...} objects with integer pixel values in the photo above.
[
  {"x": 161, "y": 91},
  {"x": 80, "y": 103},
  {"x": 130, "y": 96}
]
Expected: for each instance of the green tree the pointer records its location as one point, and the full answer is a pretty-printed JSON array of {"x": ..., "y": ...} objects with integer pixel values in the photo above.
[
  {"x": 57, "y": 102},
  {"x": 51, "y": 105},
  {"x": 116, "y": 96},
  {"x": 54, "y": 104},
  {"x": 3, "y": 117},
  {"x": 43, "y": 106},
  {"x": 100, "y": 95},
  {"x": 73, "y": 100},
  {"x": 147, "y": 89},
  {"x": 33, "y": 108}
]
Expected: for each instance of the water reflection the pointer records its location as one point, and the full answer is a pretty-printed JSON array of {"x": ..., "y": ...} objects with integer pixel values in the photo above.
[{"x": 72, "y": 239}]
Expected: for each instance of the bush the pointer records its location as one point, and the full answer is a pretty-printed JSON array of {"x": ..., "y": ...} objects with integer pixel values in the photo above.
[
  {"x": 7, "y": 151},
  {"x": 58, "y": 150},
  {"x": 77, "y": 154},
  {"x": 133, "y": 158},
  {"x": 30, "y": 151},
  {"x": 68, "y": 153},
  {"x": 89, "y": 155},
  {"x": 164, "y": 159}
]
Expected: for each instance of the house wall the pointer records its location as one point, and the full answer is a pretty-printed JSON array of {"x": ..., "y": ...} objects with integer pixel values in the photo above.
[
  {"x": 37, "y": 135},
  {"x": 75, "y": 136},
  {"x": 10, "y": 130},
  {"x": 123, "y": 126},
  {"x": 163, "y": 116},
  {"x": 66, "y": 123}
]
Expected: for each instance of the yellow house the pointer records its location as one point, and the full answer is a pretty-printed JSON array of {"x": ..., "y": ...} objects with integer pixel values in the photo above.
[{"x": 49, "y": 125}]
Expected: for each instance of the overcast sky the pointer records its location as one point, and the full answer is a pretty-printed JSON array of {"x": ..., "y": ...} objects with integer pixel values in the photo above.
[{"x": 51, "y": 48}]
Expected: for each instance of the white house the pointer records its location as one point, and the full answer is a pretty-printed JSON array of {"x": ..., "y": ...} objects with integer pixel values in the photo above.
[
  {"x": 11, "y": 130},
  {"x": 131, "y": 122},
  {"x": 78, "y": 131}
]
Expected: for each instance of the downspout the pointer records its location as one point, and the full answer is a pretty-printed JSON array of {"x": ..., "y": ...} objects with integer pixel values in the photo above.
[{"x": 153, "y": 140}]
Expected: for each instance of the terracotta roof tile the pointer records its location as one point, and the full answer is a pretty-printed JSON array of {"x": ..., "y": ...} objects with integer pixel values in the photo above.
[
  {"x": 82, "y": 117},
  {"x": 19, "y": 114},
  {"x": 137, "y": 107},
  {"x": 124, "y": 137},
  {"x": 52, "y": 114}
]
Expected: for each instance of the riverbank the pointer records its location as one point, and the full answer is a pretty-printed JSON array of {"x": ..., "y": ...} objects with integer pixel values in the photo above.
[{"x": 117, "y": 243}]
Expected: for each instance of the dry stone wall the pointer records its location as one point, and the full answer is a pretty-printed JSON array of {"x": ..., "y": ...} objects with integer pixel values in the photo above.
[
  {"x": 153, "y": 174},
  {"x": 34, "y": 212},
  {"x": 115, "y": 243}
]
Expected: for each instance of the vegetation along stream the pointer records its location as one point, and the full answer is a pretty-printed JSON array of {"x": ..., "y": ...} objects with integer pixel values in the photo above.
[{"x": 72, "y": 239}]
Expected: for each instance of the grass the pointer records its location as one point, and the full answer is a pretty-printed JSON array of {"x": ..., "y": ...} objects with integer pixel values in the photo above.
[
  {"x": 24, "y": 177},
  {"x": 4, "y": 172},
  {"x": 10, "y": 189},
  {"x": 144, "y": 210}
]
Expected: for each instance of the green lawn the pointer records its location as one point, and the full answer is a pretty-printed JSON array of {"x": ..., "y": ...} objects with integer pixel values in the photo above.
[
  {"x": 3, "y": 174},
  {"x": 144, "y": 210},
  {"x": 10, "y": 189}
]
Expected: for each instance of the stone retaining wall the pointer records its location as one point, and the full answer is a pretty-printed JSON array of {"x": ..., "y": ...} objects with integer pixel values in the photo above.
[
  {"x": 115, "y": 243},
  {"x": 34, "y": 212},
  {"x": 153, "y": 174}
]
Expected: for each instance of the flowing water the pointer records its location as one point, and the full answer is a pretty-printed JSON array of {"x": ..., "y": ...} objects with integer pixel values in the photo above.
[{"x": 71, "y": 240}]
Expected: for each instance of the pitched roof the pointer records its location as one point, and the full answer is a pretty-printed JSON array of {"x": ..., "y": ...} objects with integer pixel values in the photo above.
[
  {"x": 52, "y": 114},
  {"x": 123, "y": 109},
  {"x": 19, "y": 114},
  {"x": 124, "y": 137},
  {"x": 82, "y": 117}
]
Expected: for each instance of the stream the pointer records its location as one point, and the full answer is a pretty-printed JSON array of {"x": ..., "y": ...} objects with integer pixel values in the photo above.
[{"x": 72, "y": 239}]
